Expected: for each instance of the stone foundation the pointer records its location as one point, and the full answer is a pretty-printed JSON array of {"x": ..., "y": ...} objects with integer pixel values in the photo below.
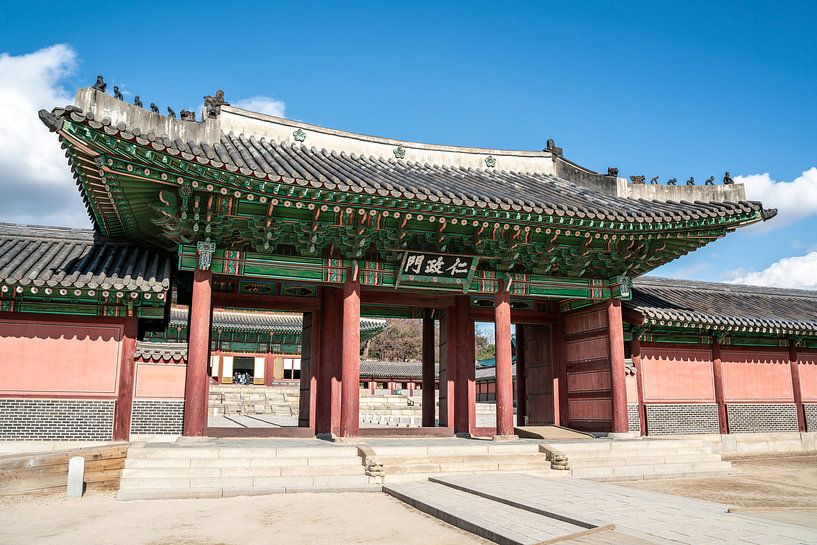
[{"x": 56, "y": 419}]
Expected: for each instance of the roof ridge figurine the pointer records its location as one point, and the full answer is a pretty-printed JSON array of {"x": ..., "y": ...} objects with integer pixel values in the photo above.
[
  {"x": 553, "y": 148},
  {"x": 187, "y": 115},
  {"x": 153, "y": 108},
  {"x": 137, "y": 101},
  {"x": 171, "y": 113},
  {"x": 672, "y": 181},
  {"x": 727, "y": 178},
  {"x": 691, "y": 181},
  {"x": 654, "y": 180},
  {"x": 213, "y": 104},
  {"x": 612, "y": 171},
  {"x": 117, "y": 94},
  {"x": 100, "y": 84},
  {"x": 710, "y": 181},
  {"x": 638, "y": 180}
]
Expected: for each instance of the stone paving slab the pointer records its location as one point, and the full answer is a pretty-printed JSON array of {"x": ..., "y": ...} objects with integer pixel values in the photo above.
[
  {"x": 491, "y": 520},
  {"x": 645, "y": 515}
]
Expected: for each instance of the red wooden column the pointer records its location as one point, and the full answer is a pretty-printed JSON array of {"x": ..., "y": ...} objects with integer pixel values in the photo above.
[
  {"x": 465, "y": 410},
  {"x": 635, "y": 349},
  {"x": 428, "y": 370},
  {"x": 328, "y": 402},
  {"x": 794, "y": 365},
  {"x": 521, "y": 379},
  {"x": 504, "y": 378},
  {"x": 198, "y": 355},
  {"x": 350, "y": 360},
  {"x": 127, "y": 372},
  {"x": 448, "y": 367},
  {"x": 560, "y": 372},
  {"x": 717, "y": 372},
  {"x": 618, "y": 380}
]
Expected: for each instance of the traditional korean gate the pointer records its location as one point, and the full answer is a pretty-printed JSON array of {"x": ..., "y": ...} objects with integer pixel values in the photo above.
[{"x": 538, "y": 374}]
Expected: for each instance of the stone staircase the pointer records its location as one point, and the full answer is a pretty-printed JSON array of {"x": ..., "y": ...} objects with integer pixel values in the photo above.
[
  {"x": 215, "y": 468},
  {"x": 628, "y": 460},
  {"x": 406, "y": 462},
  {"x": 235, "y": 399}
]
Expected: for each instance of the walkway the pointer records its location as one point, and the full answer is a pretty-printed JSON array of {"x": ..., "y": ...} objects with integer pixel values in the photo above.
[{"x": 524, "y": 509}]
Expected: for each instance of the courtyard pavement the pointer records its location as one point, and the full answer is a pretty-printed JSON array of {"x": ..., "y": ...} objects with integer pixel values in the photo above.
[{"x": 648, "y": 516}]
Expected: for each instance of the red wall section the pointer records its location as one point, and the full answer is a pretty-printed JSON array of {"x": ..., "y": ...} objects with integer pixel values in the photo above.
[
  {"x": 808, "y": 375},
  {"x": 59, "y": 358},
  {"x": 160, "y": 380},
  {"x": 677, "y": 374},
  {"x": 632, "y": 389},
  {"x": 756, "y": 375}
]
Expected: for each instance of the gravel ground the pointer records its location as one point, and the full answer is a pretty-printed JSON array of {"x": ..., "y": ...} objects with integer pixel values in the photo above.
[
  {"x": 291, "y": 519},
  {"x": 759, "y": 482}
]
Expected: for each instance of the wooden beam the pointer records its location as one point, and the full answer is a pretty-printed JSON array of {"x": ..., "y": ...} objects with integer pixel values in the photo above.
[
  {"x": 428, "y": 370},
  {"x": 504, "y": 380},
  {"x": 127, "y": 377},
  {"x": 717, "y": 371},
  {"x": 617, "y": 376},
  {"x": 198, "y": 355},
  {"x": 794, "y": 365},
  {"x": 405, "y": 298},
  {"x": 266, "y": 302}
]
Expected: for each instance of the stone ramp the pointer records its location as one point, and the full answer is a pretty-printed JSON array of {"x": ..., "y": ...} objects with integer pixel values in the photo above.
[
  {"x": 492, "y": 520},
  {"x": 550, "y": 433},
  {"x": 214, "y": 468},
  {"x": 636, "y": 459},
  {"x": 646, "y": 516}
]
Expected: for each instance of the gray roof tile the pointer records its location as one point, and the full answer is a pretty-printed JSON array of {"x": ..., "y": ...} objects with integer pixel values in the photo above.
[
  {"x": 76, "y": 258},
  {"x": 727, "y": 307}
]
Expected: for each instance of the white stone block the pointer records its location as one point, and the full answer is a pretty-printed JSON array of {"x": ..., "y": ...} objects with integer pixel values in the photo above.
[{"x": 76, "y": 477}]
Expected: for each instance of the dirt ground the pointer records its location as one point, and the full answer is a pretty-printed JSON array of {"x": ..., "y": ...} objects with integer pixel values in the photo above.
[
  {"x": 774, "y": 481},
  {"x": 287, "y": 519}
]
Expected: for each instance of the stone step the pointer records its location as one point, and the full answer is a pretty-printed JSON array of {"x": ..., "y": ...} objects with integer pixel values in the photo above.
[
  {"x": 203, "y": 493},
  {"x": 652, "y": 471},
  {"x": 247, "y": 471},
  {"x": 170, "y": 451},
  {"x": 612, "y": 461},
  {"x": 478, "y": 448},
  {"x": 486, "y": 518},
  {"x": 246, "y": 483},
  {"x": 453, "y": 459},
  {"x": 646, "y": 453}
]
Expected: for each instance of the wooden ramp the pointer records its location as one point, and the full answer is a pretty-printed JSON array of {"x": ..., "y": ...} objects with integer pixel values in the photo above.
[{"x": 550, "y": 433}]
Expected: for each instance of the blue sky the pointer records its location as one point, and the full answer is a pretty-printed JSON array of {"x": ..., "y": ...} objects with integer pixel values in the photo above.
[{"x": 669, "y": 89}]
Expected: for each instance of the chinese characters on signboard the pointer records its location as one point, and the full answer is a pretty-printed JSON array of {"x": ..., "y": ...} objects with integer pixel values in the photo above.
[{"x": 438, "y": 266}]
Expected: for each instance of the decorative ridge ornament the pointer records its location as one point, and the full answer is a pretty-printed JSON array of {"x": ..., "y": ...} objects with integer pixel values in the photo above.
[
  {"x": 490, "y": 161},
  {"x": 204, "y": 251},
  {"x": 117, "y": 94},
  {"x": 213, "y": 104},
  {"x": 299, "y": 135},
  {"x": 100, "y": 84},
  {"x": 399, "y": 152}
]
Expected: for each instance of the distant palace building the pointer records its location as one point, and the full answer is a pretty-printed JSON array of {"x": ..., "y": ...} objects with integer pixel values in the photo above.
[{"x": 242, "y": 214}]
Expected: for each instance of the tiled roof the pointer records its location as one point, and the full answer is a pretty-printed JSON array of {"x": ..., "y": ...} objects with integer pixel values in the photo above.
[
  {"x": 725, "y": 307},
  {"x": 392, "y": 369},
  {"x": 75, "y": 258},
  {"x": 488, "y": 373},
  {"x": 486, "y": 188},
  {"x": 161, "y": 351},
  {"x": 248, "y": 320}
]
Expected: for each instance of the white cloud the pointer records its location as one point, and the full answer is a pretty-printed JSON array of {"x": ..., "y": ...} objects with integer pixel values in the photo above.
[
  {"x": 262, "y": 104},
  {"x": 789, "y": 272},
  {"x": 794, "y": 200},
  {"x": 34, "y": 175}
]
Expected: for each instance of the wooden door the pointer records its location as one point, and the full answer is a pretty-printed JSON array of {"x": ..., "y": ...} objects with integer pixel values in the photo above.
[{"x": 538, "y": 375}]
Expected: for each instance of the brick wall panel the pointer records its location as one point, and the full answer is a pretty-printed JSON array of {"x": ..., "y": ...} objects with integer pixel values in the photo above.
[
  {"x": 56, "y": 419},
  {"x": 161, "y": 417},
  {"x": 761, "y": 417},
  {"x": 811, "y": 416},
  {"x": 677, "y": 418},
  {"x": 633, "y": 418}
]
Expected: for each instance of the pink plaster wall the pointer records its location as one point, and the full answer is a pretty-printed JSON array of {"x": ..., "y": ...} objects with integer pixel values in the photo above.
[
  {"x": 756, "y": 375},
  {"x": 808, "y": 375},
  {"x": 632, "y": 389},
  {"x": 160, "y": 380},
  {"x": 677, "y": 374},
  {"x": 59, "y": 358}
]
